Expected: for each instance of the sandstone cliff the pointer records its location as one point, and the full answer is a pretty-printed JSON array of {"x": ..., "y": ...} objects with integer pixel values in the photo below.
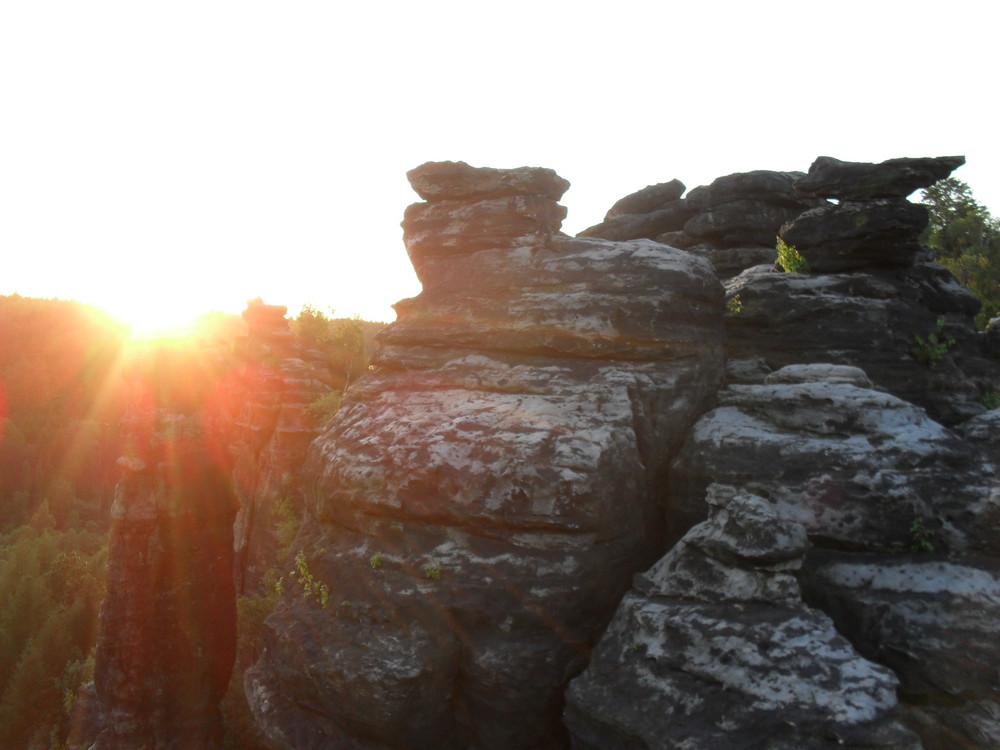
[
  {"x": 634, "y": 489},
  {"x": 485, "y": 494}
]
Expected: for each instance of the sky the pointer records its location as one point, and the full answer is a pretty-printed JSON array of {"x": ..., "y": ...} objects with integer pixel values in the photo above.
[{"x": 164, "y": 159}]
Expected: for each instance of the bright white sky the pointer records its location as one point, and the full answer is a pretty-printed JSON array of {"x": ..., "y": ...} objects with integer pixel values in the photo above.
[{"x": 165, "y": 159}]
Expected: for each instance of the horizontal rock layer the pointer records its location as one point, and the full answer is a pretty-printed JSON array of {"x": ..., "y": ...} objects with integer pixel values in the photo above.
[
  {"x": 484, "y": 494},
  {"x": 716, "y": 646}
]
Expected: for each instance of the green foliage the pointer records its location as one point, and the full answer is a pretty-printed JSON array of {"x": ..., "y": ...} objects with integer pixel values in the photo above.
[
  {"x": 992, "y": 400},
  {"x": 932, "y": 348},
  {"x": 921, "y": 537},
  {"x": 52, "y": 584},
  {"x": 345, "y": 342},
  {"x": 734, "y": 305},
  {"x": 433, "y": 570},
  {"x": 60, "y": 406},
  {"x": 789, "y": 259},
  {"x": 323, "y": 408},
  {"x": 377, "y": 560},
  {"x": 312, "y": 587},
  {"x": 967, "y": 240}
]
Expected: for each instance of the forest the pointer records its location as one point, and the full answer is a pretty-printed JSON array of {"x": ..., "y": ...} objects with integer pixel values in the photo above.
[
  {"x": 62, "y": 399},
  {"x": 61, "y": 406}
]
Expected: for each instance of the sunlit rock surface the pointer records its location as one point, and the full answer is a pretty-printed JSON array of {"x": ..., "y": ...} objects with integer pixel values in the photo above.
[
  {"x": 855, "y": 466},
  {"x": 714, "y": 648},
  {"x": 484, "y": 495},
  {"x": 168, "y": 623},
  {"x": 274, "y": 382}
]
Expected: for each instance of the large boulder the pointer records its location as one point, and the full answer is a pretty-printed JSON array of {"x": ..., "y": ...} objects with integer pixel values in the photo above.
[
  {"x": 485, "y": 493},
  {"x": 651, "y": 198},
  {"x": 911, "y": 330},
  {"x": 746, "y": 208},
  {"x": 848, "y": 236},
  {"x": 934, "y": 622},
  {"x": 861, "y": 181},
  {"x": 857, "y": 467},
  {"x": 470, "y": 209},
  {"x": 715, "y": 648}
]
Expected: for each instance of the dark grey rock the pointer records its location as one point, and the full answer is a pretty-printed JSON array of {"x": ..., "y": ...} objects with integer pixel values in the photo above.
[
  {"x": 855, "y": 466},
  {"x": 872, "y": 320},
  {"x": 860, "y": 181},
  {"x": 741, "y": 222},
  {"x": 856, "y": 235},
  {"x": 762, "y": 185},
  {"x": 716, "y": 646},
  {"x": 669, "y": 218},
  {"x": 447, "y": 180},
  {"x": 502, "y": 462},
  {"x": 933, "y": 621},
  {"x": 651, "y": 198}
]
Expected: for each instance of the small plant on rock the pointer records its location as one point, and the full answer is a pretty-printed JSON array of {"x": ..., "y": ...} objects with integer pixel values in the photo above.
[
  {"x": 930, "y": 349},
  {"x": 312, "y": 587},
  {"x": 377, "y": 560},
  {"x": 921, "y": 537},
  {"x": 789, "y": 259},
  {"x": 992, "y": 400},
  {"x": 734, "y": 305},
  {"x": 432, "y": 571}
]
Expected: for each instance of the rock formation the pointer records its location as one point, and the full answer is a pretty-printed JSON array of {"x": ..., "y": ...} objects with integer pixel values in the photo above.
[
  {"x": 733, "y": 222},
  {"x": 807, "y": 475},
  {"x": 872, "y": 301},
  {"x": 903, "y": 512},
  {"x": 484, "y": 495},
  {"x": 273, "y": 385},
  {"x": 168, "y": 623},
  {"x": 715, "y": 648}
]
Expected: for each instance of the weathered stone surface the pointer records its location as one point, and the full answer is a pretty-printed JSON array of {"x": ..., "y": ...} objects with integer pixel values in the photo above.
[
  {"x": 273, "y": 382},
  {"x": 819, "y": 373},
  {"x": 451, "y": 228},
  {"x": 761, "y": 185},
  {"x": 856, "y": 467},
  {"x": 854, "y": 235},
  {"x": 651, "y": 198},
  {"x": 168, "y": 623},
  {"x": 448, "y": 180},
  {"x": 716, "y": 649},
  {"x": 741, "y": 222},
  {"x": 933, "y": 621},
  {"x": 872, "y": 320},
  {"x": 731, "y": 261},
  {"x": 859, "y": 181},
  {"x": 485, "y": 493},
  {"x": 669, "y": 218}
]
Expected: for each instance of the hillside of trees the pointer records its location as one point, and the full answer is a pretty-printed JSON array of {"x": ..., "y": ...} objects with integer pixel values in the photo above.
[
  {"x": 966, "y": 237},
  {"x": 62, "y": 396}
]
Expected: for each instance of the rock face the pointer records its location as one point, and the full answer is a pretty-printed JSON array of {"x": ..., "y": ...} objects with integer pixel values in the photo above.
[
  {"x": 733, "y": 222},
  {"x": 715, "y": 648},
  {"x": 272, "y": 387},
  {"x": 856, "y": 466},
  {"x": 484, "y": 495},
  {"x": 168, "y": 624},
  {"x": 869, "y": 302},
  {"x": 859, "y": 181},
  {"x": 873, "y": 225},
  {"x": 933, "y": 621},
  {"x": 896, "y": 503}
]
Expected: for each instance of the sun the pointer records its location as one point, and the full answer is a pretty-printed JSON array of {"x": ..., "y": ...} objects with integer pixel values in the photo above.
[{"x": 153, "y": 321}]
